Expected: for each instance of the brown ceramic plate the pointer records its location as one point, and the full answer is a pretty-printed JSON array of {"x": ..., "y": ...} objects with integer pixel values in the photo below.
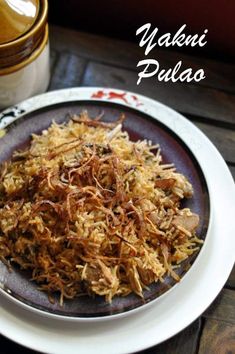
[{"x": 140, "y": 126}]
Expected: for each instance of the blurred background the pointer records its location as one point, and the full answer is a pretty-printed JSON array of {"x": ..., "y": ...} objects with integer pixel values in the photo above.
[{"x": 120, "y": 19}]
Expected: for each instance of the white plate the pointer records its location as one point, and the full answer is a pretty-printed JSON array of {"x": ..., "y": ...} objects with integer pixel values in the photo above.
[{"x": 178, "y": 308}]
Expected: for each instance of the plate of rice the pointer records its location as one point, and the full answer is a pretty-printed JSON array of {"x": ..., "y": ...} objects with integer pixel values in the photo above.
[{"x": 102, "y": 209}]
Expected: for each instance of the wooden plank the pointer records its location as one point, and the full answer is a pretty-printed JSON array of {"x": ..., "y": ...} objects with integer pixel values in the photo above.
[
  {"x": 217, "y": 338},
  {"x": 222, "y": 138},
  {"x": 232, "y": 170},
  {"x": 53, "y": 58},
  {"x": 204, "y": 102},
  {"x": 231, "y": 280},
  {"x": 126, "y": 55},
  {"x": 222, "y": 309},
  {"x": 184, "y": 342},
  {"x": 9, "y": 347},
  {"x": 68, "y": 71}
]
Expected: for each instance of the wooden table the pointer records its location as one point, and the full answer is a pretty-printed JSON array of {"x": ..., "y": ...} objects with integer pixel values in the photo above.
[{"x": 80, "y": 59}]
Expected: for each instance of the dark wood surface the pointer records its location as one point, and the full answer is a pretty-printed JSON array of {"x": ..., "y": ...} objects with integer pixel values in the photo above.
[{"x": 80, "y": 59}]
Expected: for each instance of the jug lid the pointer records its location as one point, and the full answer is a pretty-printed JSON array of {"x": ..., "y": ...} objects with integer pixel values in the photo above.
[{"x": 16, "y": 18}]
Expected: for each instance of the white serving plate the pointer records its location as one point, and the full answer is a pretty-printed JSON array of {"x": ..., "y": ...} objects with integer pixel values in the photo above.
[{"x": 175, "y": 310}]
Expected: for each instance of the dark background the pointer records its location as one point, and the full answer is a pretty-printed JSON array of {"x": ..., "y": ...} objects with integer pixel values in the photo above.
[{"x": 120, "y": 19}]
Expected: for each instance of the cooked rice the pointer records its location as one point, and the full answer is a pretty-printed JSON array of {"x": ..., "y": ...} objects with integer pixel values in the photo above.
[{"x": 89, "y": 211}]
